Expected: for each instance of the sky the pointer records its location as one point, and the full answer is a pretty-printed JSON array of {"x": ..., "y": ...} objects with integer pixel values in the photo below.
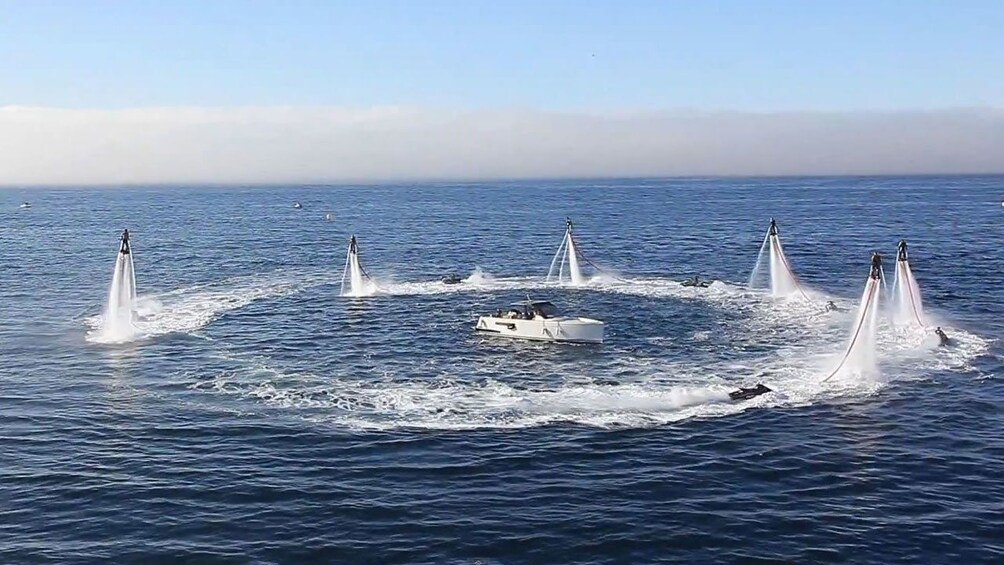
[{"x": 84, "y": 84}]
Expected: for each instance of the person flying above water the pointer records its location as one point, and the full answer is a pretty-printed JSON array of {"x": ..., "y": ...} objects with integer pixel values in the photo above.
[
  {"x": 124, "y": 248},
  {"x": 773, "y": 227},
  {"x": 902, "y": 250},
  {"x": 876, "y": 266}
]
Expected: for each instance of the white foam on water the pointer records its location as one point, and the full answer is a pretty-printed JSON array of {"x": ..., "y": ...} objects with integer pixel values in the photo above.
[
  {"x": 799, "y": 340},
  {"x": 458, "y": 395},
  {"x": 190, "y": 309},
  {"x": 479, "y": 277}
]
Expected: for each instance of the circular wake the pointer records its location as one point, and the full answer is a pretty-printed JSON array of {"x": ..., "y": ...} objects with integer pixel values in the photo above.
[{"x": 789, "y": 344}]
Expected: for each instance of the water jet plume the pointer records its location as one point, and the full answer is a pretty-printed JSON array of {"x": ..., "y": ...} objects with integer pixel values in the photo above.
[
  {"x": 908, "y": 307},
  {"x": 120, "y": 312},
  {"x": 355, "y": 280},
  {"x": 859, "y": 356},
  {"x": 783, "y": 281},
  {"x": 566, "y": 267}
]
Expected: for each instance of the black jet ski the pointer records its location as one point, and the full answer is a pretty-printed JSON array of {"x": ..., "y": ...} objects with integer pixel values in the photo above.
[
  {"x": 697, "y": 282},
  {"x": 452, "y": 279},
  {"x": 748, "y": 393}
]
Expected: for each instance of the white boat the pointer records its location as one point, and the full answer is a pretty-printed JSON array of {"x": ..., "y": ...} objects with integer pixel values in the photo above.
[
  {"x": 540, "y": 321},
  {"x": 297, "y": 205},
  {"x": 26, "y": 204}
]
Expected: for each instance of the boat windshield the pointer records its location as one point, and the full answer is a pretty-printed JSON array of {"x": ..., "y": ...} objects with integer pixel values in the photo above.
[{"x": 545, "y": 309}]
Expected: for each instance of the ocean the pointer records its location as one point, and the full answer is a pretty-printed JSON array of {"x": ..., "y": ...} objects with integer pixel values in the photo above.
[{"x": 257, "y": 416}]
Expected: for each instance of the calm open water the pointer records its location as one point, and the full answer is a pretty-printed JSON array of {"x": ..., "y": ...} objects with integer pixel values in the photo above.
[{"x": 261, "y": 418}]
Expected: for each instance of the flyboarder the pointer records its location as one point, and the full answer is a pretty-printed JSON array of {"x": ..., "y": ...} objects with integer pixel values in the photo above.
[
  {"x": 568, "y": 224},
  {"x": 876, "y": 266},
  {"x": 352, "y": 245},
  {"x": 124, "y": 248},
  {"x": 773, "y": 227},
  {"x": 902, "y": 250},
  {"x": 942, "y": 337}
]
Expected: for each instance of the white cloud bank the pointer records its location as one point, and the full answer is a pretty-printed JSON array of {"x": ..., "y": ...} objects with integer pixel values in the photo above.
[{"x": 266, "y": 145}]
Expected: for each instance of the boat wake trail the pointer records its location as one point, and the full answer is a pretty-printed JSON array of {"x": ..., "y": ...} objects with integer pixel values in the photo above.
[
  {"x": 491, "y": 392},
  {"x": 450, "y": 403}
]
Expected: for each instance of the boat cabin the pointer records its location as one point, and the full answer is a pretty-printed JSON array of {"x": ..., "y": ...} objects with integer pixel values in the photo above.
[{"x": 529, "y": 310}]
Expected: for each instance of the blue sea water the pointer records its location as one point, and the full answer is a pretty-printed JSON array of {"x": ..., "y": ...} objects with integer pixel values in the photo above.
[{"x": 259, "y": 417}]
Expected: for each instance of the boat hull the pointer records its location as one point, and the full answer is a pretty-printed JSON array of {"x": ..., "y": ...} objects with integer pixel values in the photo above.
[{"x": 562, "y": 330}]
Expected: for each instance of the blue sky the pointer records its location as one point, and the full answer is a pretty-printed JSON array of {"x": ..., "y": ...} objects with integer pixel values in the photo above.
[{"x": 558, "y": 55}]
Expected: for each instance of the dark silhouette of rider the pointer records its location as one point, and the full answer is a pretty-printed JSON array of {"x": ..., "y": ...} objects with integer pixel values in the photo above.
[
  {"x": 942, "y": 336},
  {"x": 124, "y": 247},
  {"x": 876, "y": 266}
]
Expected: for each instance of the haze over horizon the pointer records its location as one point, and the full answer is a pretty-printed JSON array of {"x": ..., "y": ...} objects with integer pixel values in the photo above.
[{"x": 227, "y": 92}]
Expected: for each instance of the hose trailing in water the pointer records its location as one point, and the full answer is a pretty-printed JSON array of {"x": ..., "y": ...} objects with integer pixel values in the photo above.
[{"x": 590, "y": 263}]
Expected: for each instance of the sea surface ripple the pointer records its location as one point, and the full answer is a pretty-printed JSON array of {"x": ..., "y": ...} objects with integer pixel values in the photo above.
[{"x": 258, "y": 417}]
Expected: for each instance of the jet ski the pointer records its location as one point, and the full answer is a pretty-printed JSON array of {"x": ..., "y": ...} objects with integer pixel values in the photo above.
[
  {"x": 452, "y": 279},
  {"x": 696, "y": 281},
  {"x": 942, "y": 337},
  {"x": 748, "y": 393},
  {"x": 297, "y": 205}
]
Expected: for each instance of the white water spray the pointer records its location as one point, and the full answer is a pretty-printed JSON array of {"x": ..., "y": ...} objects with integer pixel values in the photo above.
[
  {"x": 120, "y": 312},
  {"x": 358, "y": 282},
  {"x": 859, "y": 357},
  {"x": 909, "y": 308},
  {"x": 568, "y": 255},
  {"x": 479, "y": 276},
  {"x": 783, "y": 281}
]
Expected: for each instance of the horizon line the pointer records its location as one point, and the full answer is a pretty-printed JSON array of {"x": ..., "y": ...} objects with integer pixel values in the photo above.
[{"x": 435, "y": 181}]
